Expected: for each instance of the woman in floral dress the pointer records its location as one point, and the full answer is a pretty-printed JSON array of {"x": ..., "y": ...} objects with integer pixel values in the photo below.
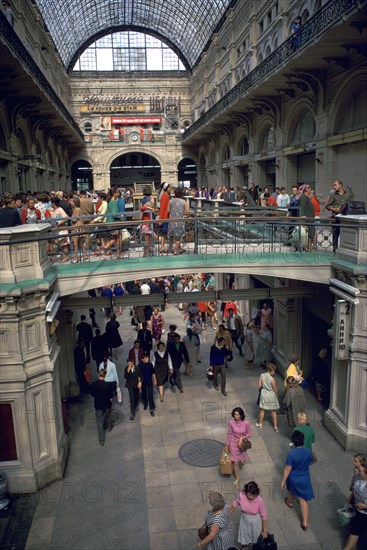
[
  {"x": 157, "y": 324},
  {"x": 178, "y": 208},
  {"x": 239, "y": 430},
  {"x": 263, "y": 352}
]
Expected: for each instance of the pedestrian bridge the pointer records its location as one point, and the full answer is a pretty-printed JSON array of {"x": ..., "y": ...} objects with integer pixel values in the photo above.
[{"x": 33, "y": 258}]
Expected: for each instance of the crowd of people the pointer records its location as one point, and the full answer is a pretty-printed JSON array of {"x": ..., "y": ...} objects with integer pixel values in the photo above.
[
  {"x": 77, "y": 215},
  {"x": 155, "y": 360}
]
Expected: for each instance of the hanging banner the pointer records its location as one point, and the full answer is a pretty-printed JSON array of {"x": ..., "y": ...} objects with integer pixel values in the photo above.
[
  {"x": 342, "y": 328},
  {"x": 137, "y": 120}
]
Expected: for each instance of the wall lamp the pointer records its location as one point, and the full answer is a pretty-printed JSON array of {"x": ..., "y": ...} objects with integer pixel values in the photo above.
[
  {"x": 277, "y": 166},
  {"x": 319, "y": 161}
]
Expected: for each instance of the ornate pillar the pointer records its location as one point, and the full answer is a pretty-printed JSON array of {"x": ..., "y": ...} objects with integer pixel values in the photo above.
[
  {"x": 346, "y": 417},
  {"x": 29, "y": 358}
]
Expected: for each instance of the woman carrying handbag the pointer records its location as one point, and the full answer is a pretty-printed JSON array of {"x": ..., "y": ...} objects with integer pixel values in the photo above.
[
  {"x": 217, "y": 535},
  {"x": 237, "y": 444}
]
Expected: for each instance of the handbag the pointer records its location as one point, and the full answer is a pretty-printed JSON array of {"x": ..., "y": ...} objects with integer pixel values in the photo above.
[
  {"x": 203, "y": 531},
  {"x": 346, "y": 514},
  {"x": 353, "y": 208},
  {"x": 87, "y": 374},
  {"x": 230, "y": 357},
  {"x": 265, "y": 544},
  {"x": 245, "y": 445}
]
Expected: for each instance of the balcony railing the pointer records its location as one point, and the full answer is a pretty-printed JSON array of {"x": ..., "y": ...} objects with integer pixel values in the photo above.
[
  {"x": 9, "y": 36},
  {"x": 327, "y": 16},
  {"x": 247, "y": 237}
]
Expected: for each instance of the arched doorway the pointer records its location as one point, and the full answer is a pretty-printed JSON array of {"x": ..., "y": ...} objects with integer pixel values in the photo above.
[
  {"x": 82, "y": 175},
  {"x": 135, "y": 167},
  {"x": 187, "y": 173}
]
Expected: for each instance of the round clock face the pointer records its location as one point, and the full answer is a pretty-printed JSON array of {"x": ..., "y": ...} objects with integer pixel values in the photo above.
[{"x": 134, "y": 137}]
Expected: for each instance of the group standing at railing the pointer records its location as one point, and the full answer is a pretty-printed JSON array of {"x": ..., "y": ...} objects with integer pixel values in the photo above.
[{"x": 79, "y": 218}]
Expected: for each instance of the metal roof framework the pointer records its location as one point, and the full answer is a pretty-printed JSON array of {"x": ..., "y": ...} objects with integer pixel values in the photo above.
[{"x": 186, "y": 26}]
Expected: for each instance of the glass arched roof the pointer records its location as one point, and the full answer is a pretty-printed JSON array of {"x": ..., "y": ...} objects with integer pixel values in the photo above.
[{"x": 186, "y": 25}]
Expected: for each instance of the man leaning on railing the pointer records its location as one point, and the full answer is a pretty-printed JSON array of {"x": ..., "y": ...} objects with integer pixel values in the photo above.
[{"x": 337, "y": 204}]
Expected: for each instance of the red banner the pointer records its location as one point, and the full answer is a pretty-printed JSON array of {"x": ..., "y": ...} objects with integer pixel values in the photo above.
[{"x": 137, "y": 120}]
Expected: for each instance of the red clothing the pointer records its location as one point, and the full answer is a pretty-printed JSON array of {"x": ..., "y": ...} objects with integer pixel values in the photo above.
[
  {"x": 230, "y": 305},
  {"x": 272, "y": 201},
  {"x": 131, "y": 356},
  {"x": 203, "y": 307},
  {"x": 24, "y": 214},
  {"x": 316, "y": 206},
  {"x": 163, "y": 206}
]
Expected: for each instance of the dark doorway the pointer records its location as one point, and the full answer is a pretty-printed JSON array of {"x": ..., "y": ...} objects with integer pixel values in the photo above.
[
  {"x": 187, "y": 173},
  {"x": 135, "y": 167},
  {"x": 82, "y": 175}
]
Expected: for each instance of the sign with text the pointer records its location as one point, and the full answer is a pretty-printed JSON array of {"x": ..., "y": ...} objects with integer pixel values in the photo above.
[
  {"x": 341, "y": 343},
  {"x": 136, "y": 120},
  {"x": 115, "y": 108}
]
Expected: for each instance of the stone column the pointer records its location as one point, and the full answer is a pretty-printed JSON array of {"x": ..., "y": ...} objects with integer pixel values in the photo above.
[
  {"x": 346, "y": 417},
  {"x": 29, "y": 358}
]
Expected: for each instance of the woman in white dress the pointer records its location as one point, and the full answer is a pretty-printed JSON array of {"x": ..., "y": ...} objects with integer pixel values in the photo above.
[{"x": 268, "y": 396}]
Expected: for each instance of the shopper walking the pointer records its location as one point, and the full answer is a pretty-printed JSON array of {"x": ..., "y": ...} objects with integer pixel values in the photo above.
[
  {"x": 239, "y": 431},
  {"x": 218, "y": 354},
  {"x": 268, "y": 396},
  {"x": 297, "y": 478},
  {"x": 102, "y": 393}
]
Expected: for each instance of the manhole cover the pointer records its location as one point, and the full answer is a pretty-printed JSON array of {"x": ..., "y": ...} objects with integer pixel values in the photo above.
[{"x": 202, "y": 453}]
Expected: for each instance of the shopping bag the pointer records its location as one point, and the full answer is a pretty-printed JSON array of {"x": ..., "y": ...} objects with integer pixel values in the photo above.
[
  {"x": 119, "y": 395},
  {"x": 226, "y": 466},
  {"x": 346, "y": 514},
  {"x": 87, "y": 374}
]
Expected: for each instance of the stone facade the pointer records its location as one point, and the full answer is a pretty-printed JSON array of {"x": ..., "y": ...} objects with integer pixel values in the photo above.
[{"x": 141, "y": 98}]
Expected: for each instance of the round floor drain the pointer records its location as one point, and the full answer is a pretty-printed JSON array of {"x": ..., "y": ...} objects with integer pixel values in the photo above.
[{"x": 202, "y": 453}]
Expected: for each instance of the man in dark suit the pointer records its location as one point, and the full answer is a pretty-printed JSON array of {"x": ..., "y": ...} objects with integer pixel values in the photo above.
[
  {"x": 79, "y": 364},
  {"x": 99, "y": 347},
  {"x": 145, "y": 339},
  {"x": 102, "y": 393},
  {"x": 179, "y": 355},
  {"x": 85, "y": 333}
]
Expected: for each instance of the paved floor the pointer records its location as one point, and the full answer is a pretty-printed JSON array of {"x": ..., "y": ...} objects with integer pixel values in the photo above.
[{"x": 135, "y": 493}]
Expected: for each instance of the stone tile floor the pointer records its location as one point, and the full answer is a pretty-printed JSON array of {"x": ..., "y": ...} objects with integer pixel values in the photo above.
[{"x": 135, "y": 493}]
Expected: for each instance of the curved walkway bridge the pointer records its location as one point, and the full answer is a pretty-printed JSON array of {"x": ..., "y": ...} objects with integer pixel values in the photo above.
[{"x": 227, "y": 241}]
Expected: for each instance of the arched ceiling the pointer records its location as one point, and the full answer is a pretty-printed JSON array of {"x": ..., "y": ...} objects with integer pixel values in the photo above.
[{"x": 185, "y": 25}]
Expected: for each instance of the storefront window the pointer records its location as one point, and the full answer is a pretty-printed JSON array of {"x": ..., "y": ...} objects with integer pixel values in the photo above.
[{"x": 305, "y": 129}]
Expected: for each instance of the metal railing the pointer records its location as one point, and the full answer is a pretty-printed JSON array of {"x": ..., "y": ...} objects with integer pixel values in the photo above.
[
  {"x": 327, "y": 16},
  {"x": 244, "y": 238}
]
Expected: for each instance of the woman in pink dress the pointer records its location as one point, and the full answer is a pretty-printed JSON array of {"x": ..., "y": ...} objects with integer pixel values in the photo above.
[
  {"x": 253, "y": 522},
  {"x": 239, "y": 430}
]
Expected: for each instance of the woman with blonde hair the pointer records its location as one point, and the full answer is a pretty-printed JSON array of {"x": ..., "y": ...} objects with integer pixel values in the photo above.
[
  {"x": 268, "y": 396},
  {"x": 294, "y": 369},
  {"x": 218, "y": 525},
  {"x": 304, "y": 427}
]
